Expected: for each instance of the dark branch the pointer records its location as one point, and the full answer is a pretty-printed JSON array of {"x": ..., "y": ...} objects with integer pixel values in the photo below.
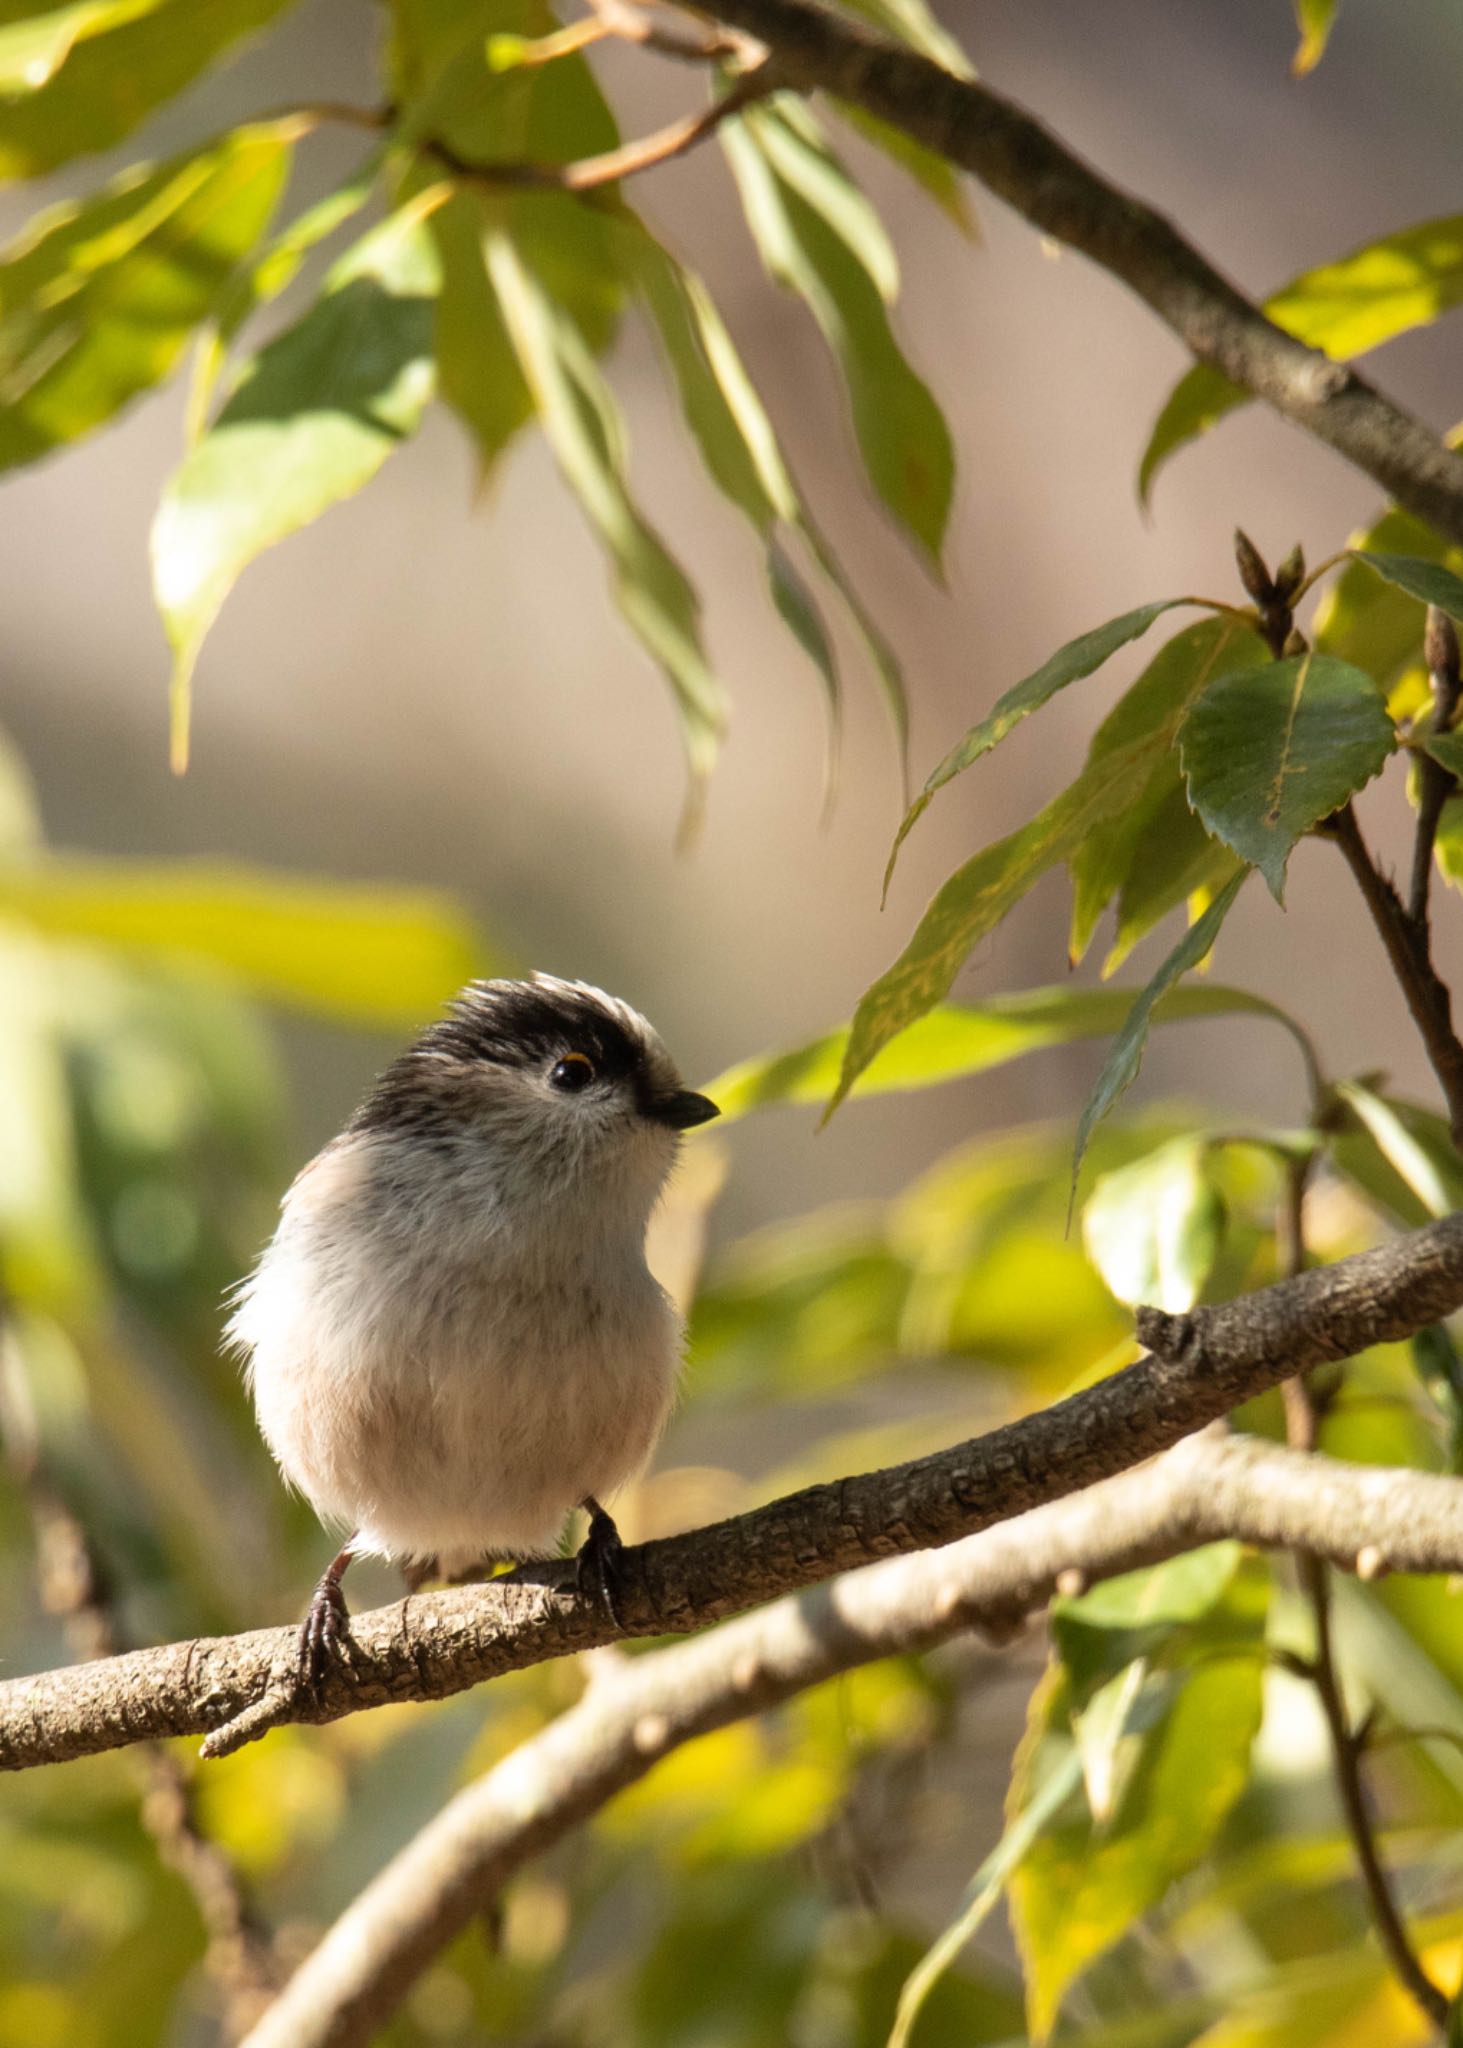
[
  {"x": 426, "y": 1648},
  {"x": 1019, "y": 160}
]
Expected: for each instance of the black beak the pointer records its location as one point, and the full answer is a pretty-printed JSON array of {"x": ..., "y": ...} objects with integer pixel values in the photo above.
[{"x": 682, "y": 1111}]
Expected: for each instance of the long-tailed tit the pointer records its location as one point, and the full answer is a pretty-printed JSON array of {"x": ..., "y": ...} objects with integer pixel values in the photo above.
[{"x": 453, "y": 1339}]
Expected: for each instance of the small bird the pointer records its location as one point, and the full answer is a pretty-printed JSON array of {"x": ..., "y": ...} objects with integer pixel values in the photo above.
[{"x": 453, "y": 1339}]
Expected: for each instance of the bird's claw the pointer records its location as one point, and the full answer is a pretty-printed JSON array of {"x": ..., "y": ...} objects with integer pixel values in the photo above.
[
  {"x": 321, "y": 1630},
  {"x": 598, "y": 1564}
]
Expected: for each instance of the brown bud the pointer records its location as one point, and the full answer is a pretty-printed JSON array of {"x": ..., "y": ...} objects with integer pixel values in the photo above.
[
  {"x": 1291, "y": 574},
  {"x": 1440, "y": 646},
  {"x": 1252, "y": 571}
]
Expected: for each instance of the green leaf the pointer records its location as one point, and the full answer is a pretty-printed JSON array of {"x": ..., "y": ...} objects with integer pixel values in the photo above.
[
  {"x": 1429, "y": 582},
  {"x": 1120, "y": 1069},
  {"x": 1269, "y": 752},
  {"x": 99, "y": 298},
  {"x": 977, "y": 896},
  {"x": 1433, "y": 1174},
  {"x": 729, "y": 424},
  {"x": 1108, "y": 859},
  {"x": 1315, "y": 20},
  {"x": 107, "y": 67},
  {"x": 1083, "y": 1884},
  {"x": 1153, "y": 1229},
  {"x": 1446, "y": 748},
  {"x": 1368, "y": 621},
  {"x": 952, "y": 1042},
  {"x": 477, "y": 367},
  {"x": 311, "y": 420},
  {"x": 1079, "y": 657},
  {"x": 378, "y": 956},
  {"x": 1174, "y": 861},
  {"x": 583, "y": 429},
  {"x": 1381, "y": 290},
  {"x": 935, "y": 174},
  {"x": 912, "y": 22},
  {"x": 35, "y": 47},
  {"x": 813, "y": 229}
]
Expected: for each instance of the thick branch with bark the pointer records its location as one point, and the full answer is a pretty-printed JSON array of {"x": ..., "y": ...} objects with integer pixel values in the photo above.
[
  {"x": 1201, "y": 1366},
  {"x": 1023, "y": 163},
  {"x": 1211, "y": 1487}
]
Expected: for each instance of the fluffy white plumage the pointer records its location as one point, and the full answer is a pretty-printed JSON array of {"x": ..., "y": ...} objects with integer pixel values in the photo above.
[{"x": 453, "y": 1338}]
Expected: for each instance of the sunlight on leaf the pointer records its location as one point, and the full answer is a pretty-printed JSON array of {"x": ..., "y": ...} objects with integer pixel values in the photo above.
[
  {"x": 1153, "y": 1229},
  {"x": 1315, "y": 19}
]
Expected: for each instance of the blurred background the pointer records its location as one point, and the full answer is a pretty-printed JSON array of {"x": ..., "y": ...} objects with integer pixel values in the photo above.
[{"x": 427, "y": 688}]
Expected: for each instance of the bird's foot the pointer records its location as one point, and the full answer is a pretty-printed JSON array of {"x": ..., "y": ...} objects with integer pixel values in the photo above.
[
  {"x": 326, "y": 1622},
  {"x": 598, "y": 1564}
]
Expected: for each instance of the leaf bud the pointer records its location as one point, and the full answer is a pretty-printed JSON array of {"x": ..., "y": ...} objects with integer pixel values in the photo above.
[
  {"x": 1440, "y": 647},
  {"x": 1291, "y": 574},
  {"x": 1252, "y": 571}
]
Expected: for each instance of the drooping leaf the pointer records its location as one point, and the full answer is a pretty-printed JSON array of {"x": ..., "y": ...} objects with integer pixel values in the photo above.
[
  {"x": 1173, "y": 860},
  {"x": 1429, "y": 582},
  {"x": 729, "y": 424},
  {"x": 1363, "y": 618},
  {"x": 1446, "y": 748},
  {"x": 311, "y": 420},
  {"x": 379, "y": 956},
  {"x": 477, "y": 368},
  {"x": 579, "y": 418},
  {"x": 100, "y": 70},
  {"x": 1431, "y": 1171},
  {"x": 954, "y": 1041},
  {"x": 1108, "y": 859},
  {"x": 1080, "y": 657},
  {"x": 1381, "y": 290},
  {"x": 1315, "y": 19},
  {"x": 935, "y": 174},
  {"x": 1269, "y": 752},
  {"x": 979, "y": 894},
  {"x": 812, "y": 228},
  {"x": 98, "y": 300},
  {"x": 1120, "y": 1069},
  {"x": 1083, "y": 1884},
  {"x": 1153, "y": 1229}
]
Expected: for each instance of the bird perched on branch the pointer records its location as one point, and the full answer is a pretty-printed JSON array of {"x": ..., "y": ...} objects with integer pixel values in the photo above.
[{"x": 453, "y": 1339}]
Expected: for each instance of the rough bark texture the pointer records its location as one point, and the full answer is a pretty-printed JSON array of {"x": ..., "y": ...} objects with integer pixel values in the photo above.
[
  {"x": 1208, "y": 1488},
  {"x": 1201, "y": 1367},
  {"x": 1023, "y": 163}
]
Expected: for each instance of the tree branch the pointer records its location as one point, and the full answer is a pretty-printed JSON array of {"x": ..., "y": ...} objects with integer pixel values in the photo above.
[
  {"x": 1203, "y": 1365},
  {"x": 1211, "y": 1487},
  {"x": 1023, "y": 163}
]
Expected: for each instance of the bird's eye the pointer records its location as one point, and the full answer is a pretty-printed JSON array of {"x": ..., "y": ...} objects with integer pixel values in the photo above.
[{"x": 573, "y": 1072}]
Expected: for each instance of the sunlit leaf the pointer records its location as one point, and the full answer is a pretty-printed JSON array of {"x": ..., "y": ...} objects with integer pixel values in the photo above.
[
  {"x": 1381, "y": 290},
  {"x": 1081, "y": 1885},
  {"x": 813, "y": 229},
  {"x": 912, "y": 22},
  {"x": 477, "y": 369},
  {"x": 977, "y": 896},
  {"x": 953, "y": 1041},
  {"x": 1110, "y": 857},
  {"x": 100, "y": 70},
  {"x": 1430, "y": 582},
  {"x": 1269, "y": 752},
  {"x": 377, "y": 956},
  {"x": 1315, "y": 20},
  {"x": 98, "y": 299},
  {"x": 1153, "y": 1229},
  {"x": 1079, "y": 657},
  {"x": 310, "y": 421},
  {"x": 1120, "y": 1069},
  {"x": 729, "y": 424},
  {"x": 581, "y": 422}
]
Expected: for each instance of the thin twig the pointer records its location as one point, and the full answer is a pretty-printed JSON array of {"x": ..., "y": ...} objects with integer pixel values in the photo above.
[
  {"x": 589, "y": 173},
  {"x": 1435, "y": 783},
  {"x": 1428, "y": 997},
  {"x": 1302, "y": 1423}
]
